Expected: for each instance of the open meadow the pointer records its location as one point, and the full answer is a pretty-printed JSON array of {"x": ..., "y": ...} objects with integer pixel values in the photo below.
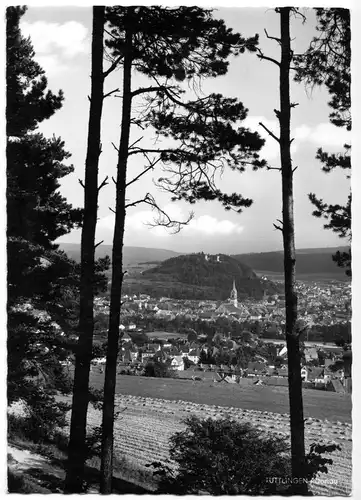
[
  {"x": 157, "y": 334},
  {"x": 317, "y": 404}
]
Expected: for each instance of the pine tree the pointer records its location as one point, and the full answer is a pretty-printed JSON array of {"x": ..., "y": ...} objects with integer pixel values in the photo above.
[
  {"x": 287, "y": 228},
  {"x": 171, "y": 47},
  {"x": 328, "y": 62},
  {"x": 77, "y": 442},
  {"x": 42, "y": 281},
  {"x": 28, "y": 102}
]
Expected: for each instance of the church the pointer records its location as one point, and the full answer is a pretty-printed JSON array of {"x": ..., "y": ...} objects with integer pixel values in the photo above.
[{"x": 231, "y": 306}]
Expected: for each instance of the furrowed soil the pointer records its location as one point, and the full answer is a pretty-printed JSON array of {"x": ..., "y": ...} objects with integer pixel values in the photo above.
[
  {"x": 144, "y": 425},
  {"x": 152, "y": 410}
]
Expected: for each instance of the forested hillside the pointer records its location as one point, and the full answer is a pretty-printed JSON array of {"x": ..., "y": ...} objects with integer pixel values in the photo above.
[
  {"x": 309, "y": 261},
  {"x": 216, "y": 272}
]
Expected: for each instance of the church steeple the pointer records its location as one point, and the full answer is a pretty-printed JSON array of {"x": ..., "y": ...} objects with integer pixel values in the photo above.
[{"x": 233, "y": 296}]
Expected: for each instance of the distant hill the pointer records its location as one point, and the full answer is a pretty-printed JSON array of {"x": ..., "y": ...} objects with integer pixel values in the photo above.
[
  {"x": 309, "y": 261},
  {"x": 210, "y": 277},
  {"x": 131, "y": 255}
]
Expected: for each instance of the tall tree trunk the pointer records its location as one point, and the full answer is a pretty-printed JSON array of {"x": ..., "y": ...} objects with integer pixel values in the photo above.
[
  {"x": 292, "y": 336},
  {"x": 117, "y": 278},
  {"x": 77, "y": 442}
]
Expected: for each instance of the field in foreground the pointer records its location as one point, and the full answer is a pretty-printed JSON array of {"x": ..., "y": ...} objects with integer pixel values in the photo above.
[
  {"x": 144, "y": 426},
  {"x": 317, "y": 404}
]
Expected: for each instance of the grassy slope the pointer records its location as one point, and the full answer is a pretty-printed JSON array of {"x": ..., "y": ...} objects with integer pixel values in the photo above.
[{"x": 317, "y": 404}]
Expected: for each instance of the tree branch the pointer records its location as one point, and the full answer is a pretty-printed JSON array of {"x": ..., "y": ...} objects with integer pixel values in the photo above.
[
  {"x": 274, "y": 168},
  {"x": 278, "y": 40},
  {"x": 81, "y": 183},
  {"x": 144, "y": 151},
  {"x": 163, "y": 220},
  {"x": 260, "y": 55},
  {"x": 144, "y": 90},
  {"x": 104, "y": 183},
  {"x": 269, "y": 132},
  {"x": 110, "y": 93},
  {"x": 112, "y": 67},
  {"x": 142, "y": 173},
  {"x": 135, "y": 142},
  {"x": 98, "y": 244},
  {"x": 137, "y": 202}
]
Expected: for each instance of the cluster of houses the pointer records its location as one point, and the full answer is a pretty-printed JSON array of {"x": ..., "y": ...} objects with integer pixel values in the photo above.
[
  {"x": 167, "y": 352},
  {"x": 179, "y": 355},
  {"x": 325, "y": 304}
]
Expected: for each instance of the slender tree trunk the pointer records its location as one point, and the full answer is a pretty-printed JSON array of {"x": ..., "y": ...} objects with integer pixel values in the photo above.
[
  {"x": 77, "y": 448},
  {"x": 292, "y": 336},
  {"x": 117, "y": 278}
]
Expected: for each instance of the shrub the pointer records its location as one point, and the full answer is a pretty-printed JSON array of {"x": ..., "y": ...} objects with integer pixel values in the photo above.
[
  {"x": 43, "y": 418},
  {"x": 18, "y": 483},
  {"x": 157, "y": 368},
  {"x": 224, "y": 457}
]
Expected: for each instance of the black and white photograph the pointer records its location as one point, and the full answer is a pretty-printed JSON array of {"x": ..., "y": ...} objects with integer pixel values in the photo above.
[{"x": 180, "y": 295}]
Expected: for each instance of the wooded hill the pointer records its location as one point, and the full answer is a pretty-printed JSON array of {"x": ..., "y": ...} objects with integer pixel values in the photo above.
[
  {"x": 308, "y": 261},
  {"x": 214, "y": 272}
]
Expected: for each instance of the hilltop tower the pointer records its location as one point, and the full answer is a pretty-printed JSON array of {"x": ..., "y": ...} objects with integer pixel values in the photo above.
[{"x": 233, "y": 297}]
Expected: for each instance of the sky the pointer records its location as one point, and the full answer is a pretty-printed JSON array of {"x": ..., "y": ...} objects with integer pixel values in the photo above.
[{"x": 61, "y": 37}]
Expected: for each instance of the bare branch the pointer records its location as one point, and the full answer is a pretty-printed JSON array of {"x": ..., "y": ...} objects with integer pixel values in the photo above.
[
  {"x": 278, "y": 40},
  {"x": 278, "y": 228},
  {"x": 260, "y": 55},
  {"x": 111, "y": 210},
  {"x": 296, "y": 12},
  {"x": 269, "y": 132},
  {"x": 81, "y": 183},
  {"x": 273, "y": 168},
  {"x": 110, "y": 34},
  {"x": 100, "y": 242},
  {"x": 104, "y": 183},
  {"x": 110, "y": 93},
  {"x": 144, "y": 90},
  {"x": 135, "y": 142},
  {"x": 137, "y": 123},
  {"x": 112, "y": 67},
  {"x": 164, "y": 219},
  {"x": 294, "y": 169},
  {"x": 142, "y": 173},
  {"x": 114, "y": 146},
  {"x": 280, "y": 221},
  {"x": 137, "y": 202},
  {"x": 144, "y": 151}
]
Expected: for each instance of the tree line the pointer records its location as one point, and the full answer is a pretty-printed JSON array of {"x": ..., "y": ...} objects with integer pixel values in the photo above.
[{"x": 175, "y": 49}]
